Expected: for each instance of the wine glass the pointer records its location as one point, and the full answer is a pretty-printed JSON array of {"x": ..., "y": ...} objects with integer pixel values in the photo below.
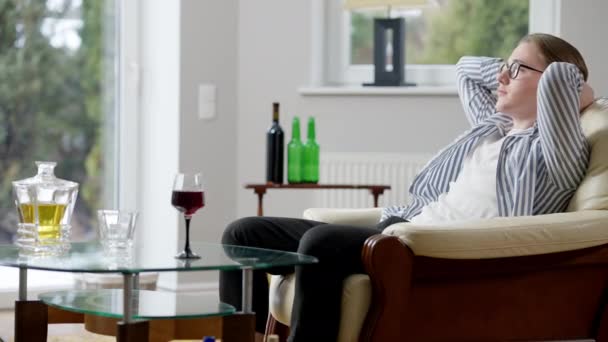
[{"x": 188, "y": 197}]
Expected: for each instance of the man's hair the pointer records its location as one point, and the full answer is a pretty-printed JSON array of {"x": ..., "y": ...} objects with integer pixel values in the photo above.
[{"x": 555, "y": 49}]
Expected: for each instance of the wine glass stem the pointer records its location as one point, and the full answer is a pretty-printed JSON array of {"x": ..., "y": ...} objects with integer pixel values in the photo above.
[{"x": 187, "y": 246}]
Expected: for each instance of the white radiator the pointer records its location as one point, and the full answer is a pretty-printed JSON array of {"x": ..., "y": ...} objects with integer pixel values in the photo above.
[{"x": 395, "y": 169}]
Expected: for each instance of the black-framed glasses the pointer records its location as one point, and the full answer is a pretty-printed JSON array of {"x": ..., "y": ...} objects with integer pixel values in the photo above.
[{"x": 514, "y": 67}]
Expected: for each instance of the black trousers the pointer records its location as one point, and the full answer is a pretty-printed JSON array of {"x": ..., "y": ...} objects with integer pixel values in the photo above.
[{"x": 318, "y": 293}]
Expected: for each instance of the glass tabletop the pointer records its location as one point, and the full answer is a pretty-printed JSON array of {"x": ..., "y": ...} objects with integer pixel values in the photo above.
[
  {"x": 146, "y": 304},
  {"x": 89, "y": 257}
]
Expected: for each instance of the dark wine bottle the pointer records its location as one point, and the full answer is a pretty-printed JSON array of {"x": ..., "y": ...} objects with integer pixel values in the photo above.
[{"x": 274, "y": 148}]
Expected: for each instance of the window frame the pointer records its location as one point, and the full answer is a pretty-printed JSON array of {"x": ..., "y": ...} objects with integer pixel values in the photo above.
[
  {"x": 128, "y": 105},
  {"x": 544, "y": 17}
]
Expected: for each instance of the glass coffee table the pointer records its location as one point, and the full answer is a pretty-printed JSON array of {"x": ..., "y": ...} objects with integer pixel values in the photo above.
[{"x": 140, "y": 315}]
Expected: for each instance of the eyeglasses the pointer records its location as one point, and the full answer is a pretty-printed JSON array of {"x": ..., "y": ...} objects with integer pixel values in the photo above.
[{"x": 514, "y": 67}]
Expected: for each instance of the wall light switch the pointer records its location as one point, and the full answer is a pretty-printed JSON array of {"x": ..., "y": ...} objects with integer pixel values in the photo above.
[{"x": 207, "y": 94}]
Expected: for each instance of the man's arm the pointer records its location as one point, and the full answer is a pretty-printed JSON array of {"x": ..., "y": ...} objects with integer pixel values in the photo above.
[
  {"x": 477, "y": 78},
  {"x": 564, "y": 146}
]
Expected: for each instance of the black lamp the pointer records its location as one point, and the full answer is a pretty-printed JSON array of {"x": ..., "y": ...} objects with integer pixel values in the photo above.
[{"x": 391, "y": 27}]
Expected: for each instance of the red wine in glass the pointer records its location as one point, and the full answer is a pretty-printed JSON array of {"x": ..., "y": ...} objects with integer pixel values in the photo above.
[
  {"x": 188, "y": 202},
  {"x": 188, "y": 196}
]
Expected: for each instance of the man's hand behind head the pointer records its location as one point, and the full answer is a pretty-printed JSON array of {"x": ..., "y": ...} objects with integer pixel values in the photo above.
[{"x": 587, "y": 96}]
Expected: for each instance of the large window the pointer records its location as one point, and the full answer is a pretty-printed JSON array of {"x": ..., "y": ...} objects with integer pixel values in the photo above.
[
  {"x": 58, "y": 82},
  {"x": 436, "y": 36}
]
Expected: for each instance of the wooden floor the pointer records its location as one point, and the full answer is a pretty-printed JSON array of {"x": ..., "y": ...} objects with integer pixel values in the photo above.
[{"x": 57, "y": 332}]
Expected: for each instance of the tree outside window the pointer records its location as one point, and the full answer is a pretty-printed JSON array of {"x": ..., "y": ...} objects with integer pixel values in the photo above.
[
  {"x": 56, "y": 100},
  {"x": 447, "y": 30}
]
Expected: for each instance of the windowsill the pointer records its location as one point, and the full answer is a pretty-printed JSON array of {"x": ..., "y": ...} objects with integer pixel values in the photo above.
[{"x": 378, "y": 91}]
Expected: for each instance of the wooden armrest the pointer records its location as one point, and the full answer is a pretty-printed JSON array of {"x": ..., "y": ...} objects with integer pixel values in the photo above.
[
  {"x": 381, "y": 256},
  {"x": 395, "y": 280}
]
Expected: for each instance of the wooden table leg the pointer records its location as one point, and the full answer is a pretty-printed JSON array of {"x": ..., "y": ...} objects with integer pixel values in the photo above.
[
  {"x": 260, "y": 192},
  {"x": 239, "y": 327},
  {"x": 31, "y": 321},
  {"x": 132, "y": 332},
  {"x": 376, "y": 193}
]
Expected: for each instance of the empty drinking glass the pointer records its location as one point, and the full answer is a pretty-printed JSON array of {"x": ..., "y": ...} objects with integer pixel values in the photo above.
[{"x": 116, "y": 230}]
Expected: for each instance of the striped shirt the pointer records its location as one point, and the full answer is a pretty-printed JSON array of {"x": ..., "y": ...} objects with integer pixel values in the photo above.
[{"x": 538, "y": 169}]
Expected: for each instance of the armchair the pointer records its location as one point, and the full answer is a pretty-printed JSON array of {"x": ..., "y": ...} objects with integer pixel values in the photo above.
[{"x": 511, "y": 278}]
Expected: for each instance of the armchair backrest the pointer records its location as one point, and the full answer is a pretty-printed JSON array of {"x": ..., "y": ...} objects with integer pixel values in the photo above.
[{"x": 592, "y": 194}]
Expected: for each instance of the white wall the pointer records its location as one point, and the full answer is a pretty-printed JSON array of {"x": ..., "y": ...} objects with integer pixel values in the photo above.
[
  {"x": 184, "y": 44},
  {"x": 208, "y": 56},
  {"x": 584, "y": 24}
]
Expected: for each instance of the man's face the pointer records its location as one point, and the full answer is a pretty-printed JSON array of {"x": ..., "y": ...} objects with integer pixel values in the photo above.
[{"x": 517, "y": 96}]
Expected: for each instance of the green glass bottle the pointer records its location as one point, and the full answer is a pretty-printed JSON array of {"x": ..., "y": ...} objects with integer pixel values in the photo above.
[
  {"x": 295, "y": 149},
  {"x": 311, "y": 155}
]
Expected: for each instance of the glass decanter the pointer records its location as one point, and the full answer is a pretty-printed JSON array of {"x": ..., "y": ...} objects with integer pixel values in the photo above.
[{"x": 45, "y": 205}]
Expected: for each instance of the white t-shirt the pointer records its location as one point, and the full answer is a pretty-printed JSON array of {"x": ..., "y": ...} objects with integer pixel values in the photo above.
[{"x": 473, "y": 194}]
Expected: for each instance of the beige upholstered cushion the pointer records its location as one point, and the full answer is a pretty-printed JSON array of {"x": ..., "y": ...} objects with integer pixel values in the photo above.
[
  {"x": 592, "y": 194},
  {"x": 367, "y": 217},
  {"x": 497, "y": 237},
  {"x": 356, "y": 299},
  {"x": 280, "y": 300},
  {"x": 506, "y": 236}
]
